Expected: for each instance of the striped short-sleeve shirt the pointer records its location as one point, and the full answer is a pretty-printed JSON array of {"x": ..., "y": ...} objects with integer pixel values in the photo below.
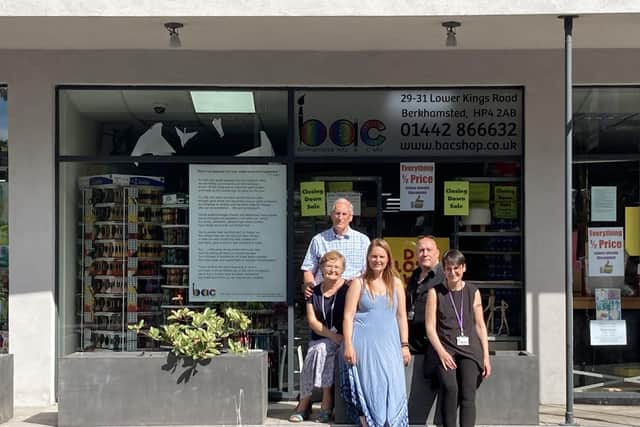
[{"x": 352, "y": 245}]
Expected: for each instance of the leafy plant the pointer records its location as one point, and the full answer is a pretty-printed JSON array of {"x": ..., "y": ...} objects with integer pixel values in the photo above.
[{"x": 199, "y": 335}]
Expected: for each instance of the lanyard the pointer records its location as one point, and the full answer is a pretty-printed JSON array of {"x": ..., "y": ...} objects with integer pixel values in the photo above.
[
  {"x": 459, "y": 315},
  {"x": 324, "y": 314}
]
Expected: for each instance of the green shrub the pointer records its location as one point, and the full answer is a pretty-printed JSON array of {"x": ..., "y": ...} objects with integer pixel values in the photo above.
[{"x": 199, "y": 335}]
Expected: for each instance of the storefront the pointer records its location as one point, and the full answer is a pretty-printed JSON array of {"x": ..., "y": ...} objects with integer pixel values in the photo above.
[
  {"x": 185, "y": 197},
  {"x": 80, "y": 152},
  {"x": 80, "y": 113}
]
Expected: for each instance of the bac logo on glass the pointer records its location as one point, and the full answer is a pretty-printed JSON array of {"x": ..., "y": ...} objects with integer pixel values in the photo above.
[{"x": 341, "y": 132}]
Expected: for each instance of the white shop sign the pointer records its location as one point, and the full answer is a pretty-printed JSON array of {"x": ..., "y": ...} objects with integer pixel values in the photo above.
[{"x": 431, "y": 122}]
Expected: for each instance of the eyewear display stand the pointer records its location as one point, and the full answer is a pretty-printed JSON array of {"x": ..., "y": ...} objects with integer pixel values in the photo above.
[{"x": 120, "y": 260}]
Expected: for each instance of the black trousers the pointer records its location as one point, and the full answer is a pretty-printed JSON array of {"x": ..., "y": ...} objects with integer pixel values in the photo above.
[{"x": 459, "y": 388}]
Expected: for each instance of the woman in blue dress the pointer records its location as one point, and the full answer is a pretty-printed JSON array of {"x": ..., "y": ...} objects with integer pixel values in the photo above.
[{"x": 376, "y": 343}]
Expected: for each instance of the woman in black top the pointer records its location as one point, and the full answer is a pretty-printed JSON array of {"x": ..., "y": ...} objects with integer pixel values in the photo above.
[
  {"x": 456, "y": 329},
  {"x": 325, "y": 311}
]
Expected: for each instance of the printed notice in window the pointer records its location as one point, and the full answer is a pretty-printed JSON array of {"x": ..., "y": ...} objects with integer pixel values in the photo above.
[
  {"x": 237, "y": 220},
  {"x": 608, "y": 332}
]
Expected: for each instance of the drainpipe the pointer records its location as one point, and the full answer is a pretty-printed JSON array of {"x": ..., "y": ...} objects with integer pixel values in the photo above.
[{"x": 568, "y": 120}]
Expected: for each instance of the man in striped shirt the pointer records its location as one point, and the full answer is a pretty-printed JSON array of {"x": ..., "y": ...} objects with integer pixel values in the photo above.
[{"x": 350, "y": 243}]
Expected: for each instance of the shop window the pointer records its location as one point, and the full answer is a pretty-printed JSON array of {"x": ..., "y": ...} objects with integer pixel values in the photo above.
[
  {"x": 4, "y": 223},
  {"x": 606, "y": 239},
  {"x": 125, "y": 217},
  {"x": 606, "y": 120},
  {"x": 465, "y": 137},
  {"x": 172, "y": 122}
]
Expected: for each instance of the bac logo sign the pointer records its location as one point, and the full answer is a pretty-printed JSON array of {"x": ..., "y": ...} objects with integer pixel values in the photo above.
[
  {"x": 203, "y": 292},
  {"x": 341, "y": 132}
]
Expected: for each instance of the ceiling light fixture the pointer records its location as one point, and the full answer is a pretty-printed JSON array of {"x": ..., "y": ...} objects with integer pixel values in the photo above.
[
  {"x": 451, "y": 32},
  {"x": 174, "y": 36}
]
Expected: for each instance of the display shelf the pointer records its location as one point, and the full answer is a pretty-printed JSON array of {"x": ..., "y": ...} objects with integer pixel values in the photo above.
[
  {"x": 175, "y": 225},
  {"x": 491, "y": 241},
  {"x": 175, "y": 206},
  {"x": 261, "y": 331},
  {"x": 503, "y": 338},
  {"x": 107, "y": 331},
  {"x": 258, "y": 311},
  {"x": 176, "y": 306},
  {"x": 491, "y": 179},
  {"x": 494, "y": 284},
  {"x": 589, "y": 303}
]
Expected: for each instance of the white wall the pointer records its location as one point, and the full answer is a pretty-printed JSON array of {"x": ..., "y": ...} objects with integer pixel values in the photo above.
[
  {"x": 309, "y": 7},
  {"x": 32, "y": 75}
]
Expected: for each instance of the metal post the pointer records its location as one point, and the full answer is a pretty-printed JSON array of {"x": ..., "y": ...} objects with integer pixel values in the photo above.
[{"x": 568, "y": 34}]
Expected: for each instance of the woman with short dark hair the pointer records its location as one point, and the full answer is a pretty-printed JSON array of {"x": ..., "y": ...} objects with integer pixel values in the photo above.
[{"x": 455, "y": 326}]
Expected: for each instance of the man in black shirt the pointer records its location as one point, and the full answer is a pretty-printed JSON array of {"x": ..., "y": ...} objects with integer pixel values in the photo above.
[
  {"x": 428, "y": 274},
  {"x": 424, "y": 386}
]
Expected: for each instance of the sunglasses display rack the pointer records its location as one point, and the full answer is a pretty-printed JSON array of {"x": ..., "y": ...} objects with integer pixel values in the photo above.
[
  {"x": 121, "y": 256},
  {"x": 175, "y": 251}
]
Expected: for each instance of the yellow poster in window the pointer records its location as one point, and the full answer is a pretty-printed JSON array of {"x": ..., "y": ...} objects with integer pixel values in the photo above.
[
  {"x": 403, "y": 250},
  {"x": 632, "y": 230},
  {"x": 506, "y": 210},
  {"x": 479, "y": 192},
  {"x": 312, "y": 199},
  {"x": 503, "y": 193},
  {"x": 456, "y": 198},
  {"x": 505, "y": 202},
  {"x": 340, "y": 186}
]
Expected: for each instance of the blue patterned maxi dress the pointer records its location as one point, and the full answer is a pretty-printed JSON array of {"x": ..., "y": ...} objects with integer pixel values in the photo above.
[{"x": 375, "y": 385}]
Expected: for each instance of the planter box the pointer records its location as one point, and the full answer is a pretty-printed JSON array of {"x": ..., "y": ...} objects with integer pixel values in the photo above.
[
  {"x": 117, "y": 389},
  {"x": 508, "y": 397},
  {"x": 6, "y": 387}
]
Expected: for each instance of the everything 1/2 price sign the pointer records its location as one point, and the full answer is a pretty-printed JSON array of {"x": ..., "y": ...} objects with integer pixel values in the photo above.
[{"x": 433, "y": 122}]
